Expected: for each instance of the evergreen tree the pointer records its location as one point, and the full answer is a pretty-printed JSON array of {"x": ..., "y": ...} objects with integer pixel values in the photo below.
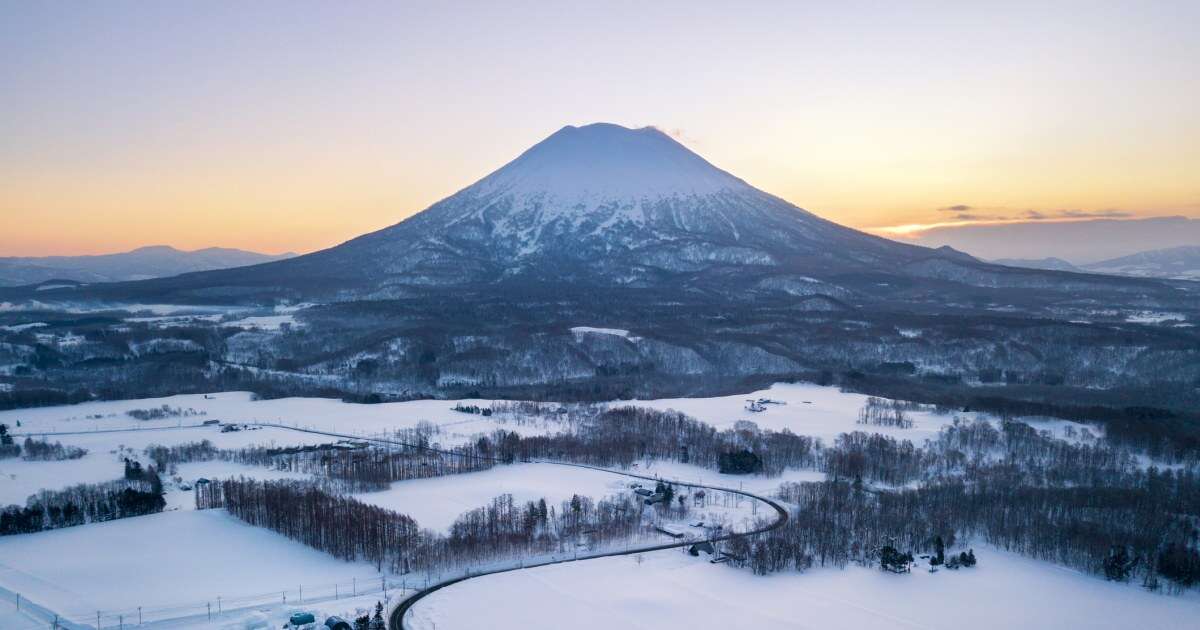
[
  {"x": 1118, "y": 565},
  {"x": 939, "y": 548}
]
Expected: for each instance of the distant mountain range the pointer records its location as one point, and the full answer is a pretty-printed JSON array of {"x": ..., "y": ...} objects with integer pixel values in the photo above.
[
  {"x": 1175, "y": 263},
  {"x": 139, "y": 264},
  {"x": 1078, "y": 241}
]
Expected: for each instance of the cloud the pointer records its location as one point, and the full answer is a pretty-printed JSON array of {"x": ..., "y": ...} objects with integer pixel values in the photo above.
[
  {"x": 965, "y": 212},
  {"x": 1045, "y": 215},
  {"x": 1094, "y": 214}
]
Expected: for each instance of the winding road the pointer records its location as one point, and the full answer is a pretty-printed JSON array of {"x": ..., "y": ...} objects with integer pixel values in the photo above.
[{"x": 396, "y": 618}]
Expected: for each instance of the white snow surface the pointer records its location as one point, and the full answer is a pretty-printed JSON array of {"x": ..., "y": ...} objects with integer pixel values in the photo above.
[
  {"x": 325, "y": 414},
  {"x": 813, "y": 410},
  {"x": 20, "y": 478},
  {"x": 690, "y": 473},
  {"x": 436, "y": 502},
  {"x": 670, "y": 589},
  {"x": 583, "y": 330},
  {"x": 608, "y": 161},
  {"x": 264, "y": 322},
  {"x": 161, "y": 559}
]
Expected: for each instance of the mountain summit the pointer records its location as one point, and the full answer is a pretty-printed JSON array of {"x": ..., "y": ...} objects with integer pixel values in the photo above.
[{"x": 603, "y": 161}]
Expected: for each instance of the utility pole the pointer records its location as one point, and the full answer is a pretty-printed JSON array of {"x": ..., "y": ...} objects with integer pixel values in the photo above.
[
  {"x": 139, "y": 615},
  {"x": 218, "y": 604}
]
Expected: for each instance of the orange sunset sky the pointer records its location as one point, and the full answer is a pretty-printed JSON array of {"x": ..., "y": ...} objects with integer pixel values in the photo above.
[{"x": 295, "y": 126}]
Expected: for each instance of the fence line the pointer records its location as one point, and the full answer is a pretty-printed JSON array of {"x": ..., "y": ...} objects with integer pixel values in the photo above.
[{"x": 387, "y": 587}]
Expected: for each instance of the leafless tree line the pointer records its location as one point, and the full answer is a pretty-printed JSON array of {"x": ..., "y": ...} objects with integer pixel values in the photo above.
[{"x": 352, "y": 530}]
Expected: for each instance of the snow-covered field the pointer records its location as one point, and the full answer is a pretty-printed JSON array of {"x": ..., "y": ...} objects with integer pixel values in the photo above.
[
  {"x": 171, "y": 564},
  {"x": 670, "y": 589},
  {"x": 324, "y": 414},
  {"x": 689, "y": 473},
  {"x": 823, "y": 412},
  {"x": 437, "y": 501},
  {"x": 813, "y": 410},
  {"x": 20, "y": 478}
]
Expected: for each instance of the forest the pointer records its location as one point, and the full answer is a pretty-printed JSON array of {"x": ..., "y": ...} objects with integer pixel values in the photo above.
[
  {"x": 349, "y": 529},
  {"x": 85, "y": 503},
  {"x": 1088, "y": 506},
  {"x": 1081, "y": 502}
]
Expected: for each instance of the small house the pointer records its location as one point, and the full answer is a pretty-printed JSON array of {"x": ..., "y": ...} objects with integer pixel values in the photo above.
[
  {"x": 669, "y": 531},
  {"x": 211, "y": 422},
  {"x": 704, "y": 545}
]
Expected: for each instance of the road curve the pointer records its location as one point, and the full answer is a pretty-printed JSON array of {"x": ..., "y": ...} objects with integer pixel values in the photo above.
[{"x": 396, "y": 618}]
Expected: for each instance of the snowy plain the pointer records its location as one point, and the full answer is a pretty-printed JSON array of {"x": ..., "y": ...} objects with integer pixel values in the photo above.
[
  {"x": 184, "y": 557},
  {"x": 323, "y": 414},
  {"x": 171, "y": 564},
  {"x": 669, "y": 589},
  {"x": 437, "y": 501}
]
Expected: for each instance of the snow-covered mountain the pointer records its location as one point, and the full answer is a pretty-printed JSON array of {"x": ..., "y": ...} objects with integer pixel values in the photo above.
[
  {"x": 1173, "y": 263},
  {"x": 607, "y": 205},
  {"x": 145, "y": 262},
  {"x": 1180, "y": 263}
]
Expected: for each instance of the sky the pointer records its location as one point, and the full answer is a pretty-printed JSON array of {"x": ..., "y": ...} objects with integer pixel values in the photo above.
[{"x": 294, "y": 126}]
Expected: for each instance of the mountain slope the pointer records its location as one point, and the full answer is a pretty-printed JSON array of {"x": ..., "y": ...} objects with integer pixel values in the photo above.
[
  {"x": 1181, "y": 263},
  {"x": 1051, "y": 263},
  {"x": 144, "y": 262}
]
